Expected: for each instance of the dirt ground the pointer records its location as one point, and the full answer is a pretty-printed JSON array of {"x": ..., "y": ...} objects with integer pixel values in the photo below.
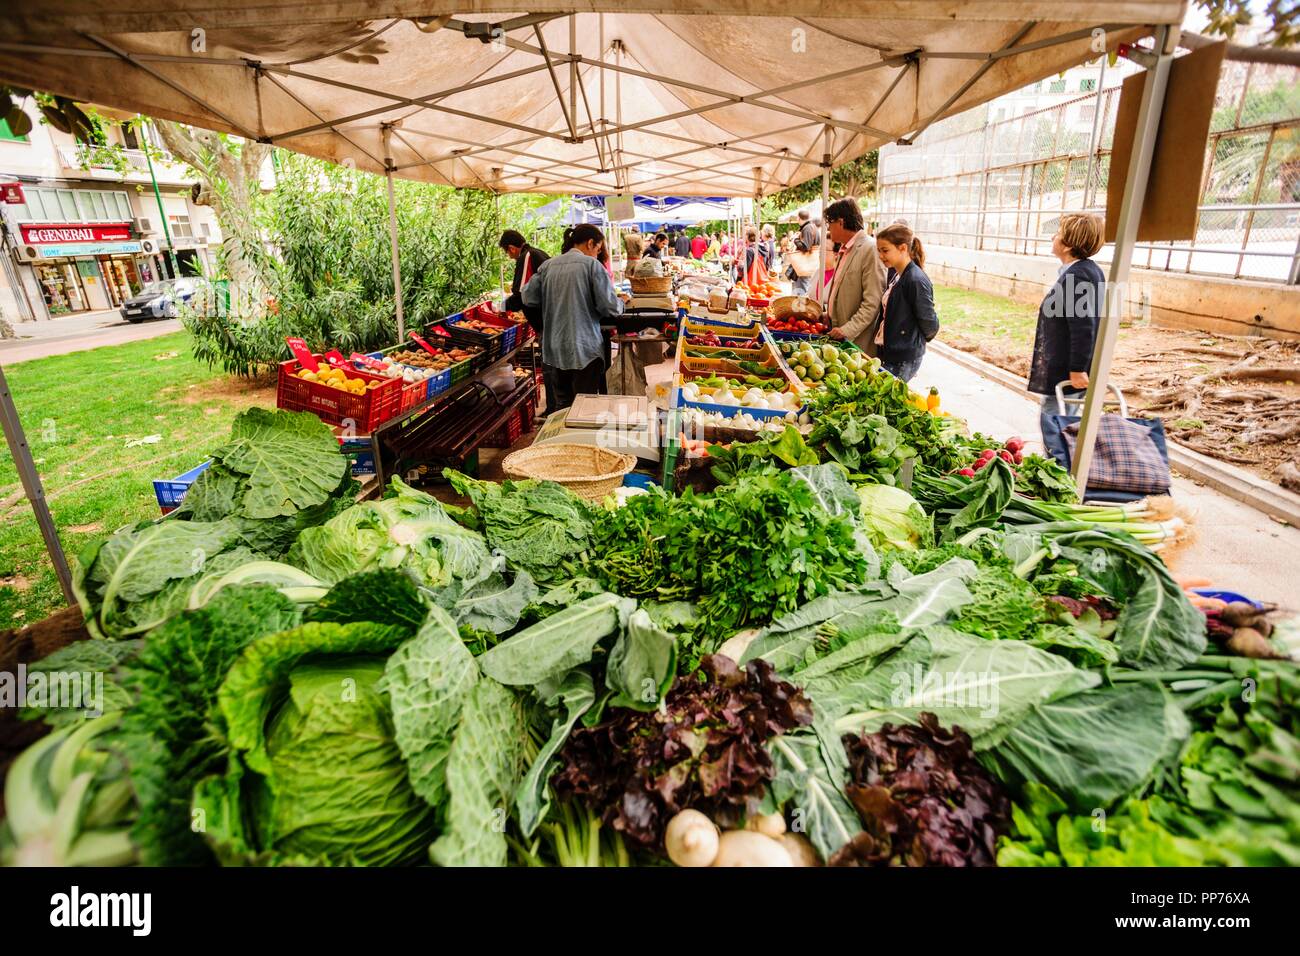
[{"x": 1234, "y": 399}]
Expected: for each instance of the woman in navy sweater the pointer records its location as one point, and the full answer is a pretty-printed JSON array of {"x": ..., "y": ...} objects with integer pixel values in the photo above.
[
  {"x": 907, "y": 318},
  {"x": 1069, "y": 317}
]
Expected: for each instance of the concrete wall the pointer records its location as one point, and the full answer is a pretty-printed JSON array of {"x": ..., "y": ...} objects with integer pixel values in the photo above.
[{"x": 1174, "y": 300}]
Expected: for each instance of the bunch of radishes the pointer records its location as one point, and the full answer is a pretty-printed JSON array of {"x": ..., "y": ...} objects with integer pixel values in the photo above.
[{"x": 1012, "y": 452}]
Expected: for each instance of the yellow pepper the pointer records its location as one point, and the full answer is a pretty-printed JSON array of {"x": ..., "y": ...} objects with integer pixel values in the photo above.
[{"x": 932, "y": 401}]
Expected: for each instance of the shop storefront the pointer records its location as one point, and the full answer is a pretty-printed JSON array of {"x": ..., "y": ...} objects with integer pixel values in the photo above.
[{"x": 82, "y": 267}]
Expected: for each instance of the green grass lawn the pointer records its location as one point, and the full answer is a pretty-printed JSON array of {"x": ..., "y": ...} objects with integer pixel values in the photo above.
[
  {"x": 82, "y": 413},
  {"x": 986, "y": 318}
]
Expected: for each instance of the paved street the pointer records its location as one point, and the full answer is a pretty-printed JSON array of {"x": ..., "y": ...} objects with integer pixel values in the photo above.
[
  {"x": 75, "y": 333},
  {"x": 1236, "y": 546}
]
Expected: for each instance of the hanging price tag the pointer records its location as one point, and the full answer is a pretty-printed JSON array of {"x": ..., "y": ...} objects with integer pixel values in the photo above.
[
  {"x": 335, "y": 358},
  {"x": 422, "y": 343},
  {"x": 303, "y": 354},
  {"x": 368, "y": 362}
]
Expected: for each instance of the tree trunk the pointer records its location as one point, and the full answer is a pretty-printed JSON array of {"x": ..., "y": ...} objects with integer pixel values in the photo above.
[{"x": 229, "y": 174}]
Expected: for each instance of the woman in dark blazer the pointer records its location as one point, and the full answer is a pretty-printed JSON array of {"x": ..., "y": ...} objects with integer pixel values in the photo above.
[
  {"x": 1070, "y": 315},
  {"x": 907, "y": 318}
]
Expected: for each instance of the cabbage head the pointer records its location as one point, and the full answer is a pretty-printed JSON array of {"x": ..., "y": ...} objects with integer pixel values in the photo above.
[
  {"x": 316, "y": 776},
  {"x": 893, "y": 519}
]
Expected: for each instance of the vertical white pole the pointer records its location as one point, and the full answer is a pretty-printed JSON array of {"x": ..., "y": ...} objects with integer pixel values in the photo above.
[
  {"x": 826, "y": 199},
  {"x": 392, "y": 234},
  {"x": 1130, "y": 212}
]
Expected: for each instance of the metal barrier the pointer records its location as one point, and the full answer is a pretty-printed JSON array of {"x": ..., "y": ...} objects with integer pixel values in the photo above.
[{"x": 1001, "y": 186}]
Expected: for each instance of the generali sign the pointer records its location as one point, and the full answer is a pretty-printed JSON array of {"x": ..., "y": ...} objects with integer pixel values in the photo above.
[{"x": 78, "y": 232}]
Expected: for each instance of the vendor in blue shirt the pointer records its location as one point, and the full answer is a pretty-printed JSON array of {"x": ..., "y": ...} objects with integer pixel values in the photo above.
[{"x": 575, "y": 293}]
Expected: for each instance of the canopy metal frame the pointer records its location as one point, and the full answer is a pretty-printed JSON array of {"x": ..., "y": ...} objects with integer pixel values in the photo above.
[{"x": 613, "y": 163}]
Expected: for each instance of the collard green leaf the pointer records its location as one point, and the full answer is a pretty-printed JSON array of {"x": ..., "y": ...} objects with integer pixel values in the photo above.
[
  {"x": 642, "y": 664},
  {"x": 257, "y": 679},
  {"x": 493, "y": 606},
  {"x": 1092, "y": 747},
  {"x": 575, "y": 695},
  {"x": 785, "y": 642},
  {"x": 558, "y": 643},
  {"x": 811, "y": 792},
  {"x": 428, "y": 680},
  {"x": 291, "y": 460},
  {"x": 483, "y": 770},
  {"x": 984, "y": 687},
  {"x": 1158, "y": 628}
]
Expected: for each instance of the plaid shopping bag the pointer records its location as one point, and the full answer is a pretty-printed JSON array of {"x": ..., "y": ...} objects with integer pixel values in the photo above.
[{"x": 1125, "y": 458}]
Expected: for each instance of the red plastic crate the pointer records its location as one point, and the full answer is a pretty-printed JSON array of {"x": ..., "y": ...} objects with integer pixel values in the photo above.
[{"x": 363, "y": 412}]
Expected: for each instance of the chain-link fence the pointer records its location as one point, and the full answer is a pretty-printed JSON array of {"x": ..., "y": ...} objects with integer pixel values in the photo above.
[{"x": 1002, "y": 185}]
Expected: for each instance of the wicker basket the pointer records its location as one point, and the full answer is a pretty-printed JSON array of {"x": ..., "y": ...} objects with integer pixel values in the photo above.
[
  {"x": 589, "y": 472},
  {"x": 652, "y": 283},
  {"x": 784, "y": 306}
]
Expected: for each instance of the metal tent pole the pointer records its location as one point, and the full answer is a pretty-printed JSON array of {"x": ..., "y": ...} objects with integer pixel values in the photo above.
[
  {"x": 392, "y": 233},
  {"x": 1130, "y": 212},
  {"x": 826, "y": 198},
  {"x": 22, "y": 454}
]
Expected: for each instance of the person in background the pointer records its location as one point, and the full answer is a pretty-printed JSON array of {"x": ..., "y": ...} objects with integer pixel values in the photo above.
[
  {"x": 808, "y": 230},
  {"x": 726, "y": 247},
  {"x": 767, "y": 246},
  {"x": 1070, "y": 314},
  {"x": 802, "y": 263},
  {"x": 527, "y": 260},
  {"x": 852, "y": 300},
  {"x": 574, "y": 293},
  {"x": 750, "y": 265},
  {"x": 682, "y": 245},
  {"x": 907, "y": 318},
  {"x": 715, "y": 248},
  {"x": 699, "y": 245},
  {"x": 633, "y": 249},
  {"x": 658, "y": 246}
]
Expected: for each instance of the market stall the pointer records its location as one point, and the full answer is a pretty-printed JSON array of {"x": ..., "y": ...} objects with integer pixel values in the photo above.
[{"x": 864, "y": 637}]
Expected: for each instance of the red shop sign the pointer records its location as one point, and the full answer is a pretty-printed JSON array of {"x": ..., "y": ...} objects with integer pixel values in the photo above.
[
  {"x": 12, "y": 194},
  {"x": 77, "y": 232}
]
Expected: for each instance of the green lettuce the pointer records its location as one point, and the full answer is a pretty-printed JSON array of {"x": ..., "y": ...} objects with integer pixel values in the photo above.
[
  {"x": 407, "y": 529},
  {"x": 893, "y": 519}
]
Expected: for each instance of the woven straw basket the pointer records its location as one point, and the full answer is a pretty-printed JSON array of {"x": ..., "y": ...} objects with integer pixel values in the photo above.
[
  {"x": 651, "y": 283},
  {"x": 784, "y": 306},
  {"x": 589, "y": 472}
]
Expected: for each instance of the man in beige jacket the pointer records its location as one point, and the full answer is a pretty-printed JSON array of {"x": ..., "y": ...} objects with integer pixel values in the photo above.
[{"x": 853, "y": 299}]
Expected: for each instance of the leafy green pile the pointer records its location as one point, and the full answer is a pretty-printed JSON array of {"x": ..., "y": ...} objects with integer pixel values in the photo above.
[
  {"x": 1045, "y": 834},
  {"x": 750, "y": 550},
  {"x": 407, "y": 529},
  {"x": 280, "y": 472},
  {"x": 872, "y": 426},
  {"x": 537, "y": 525}
]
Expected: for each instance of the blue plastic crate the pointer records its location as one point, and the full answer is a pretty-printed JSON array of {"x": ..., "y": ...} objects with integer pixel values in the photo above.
[
  {"x": 731, "y": 411},
  {"x": 171, "y": 493}
]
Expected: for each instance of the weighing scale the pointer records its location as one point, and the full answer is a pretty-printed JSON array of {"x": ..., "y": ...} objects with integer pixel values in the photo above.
[{"x": 622, "y": 423}]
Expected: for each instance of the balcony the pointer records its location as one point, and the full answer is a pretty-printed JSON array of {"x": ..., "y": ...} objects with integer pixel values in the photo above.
[{"x": 75, "y": 159}]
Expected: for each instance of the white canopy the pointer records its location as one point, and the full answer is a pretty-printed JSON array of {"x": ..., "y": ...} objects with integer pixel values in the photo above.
[{"x": 728, "y": 97}]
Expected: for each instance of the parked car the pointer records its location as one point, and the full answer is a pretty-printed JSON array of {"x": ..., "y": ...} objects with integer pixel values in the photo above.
[{"x": 159, "y": 300}]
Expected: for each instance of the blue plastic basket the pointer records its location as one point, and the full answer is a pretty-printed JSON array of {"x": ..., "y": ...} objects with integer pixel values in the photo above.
[{"x": 170, "y": 493}]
